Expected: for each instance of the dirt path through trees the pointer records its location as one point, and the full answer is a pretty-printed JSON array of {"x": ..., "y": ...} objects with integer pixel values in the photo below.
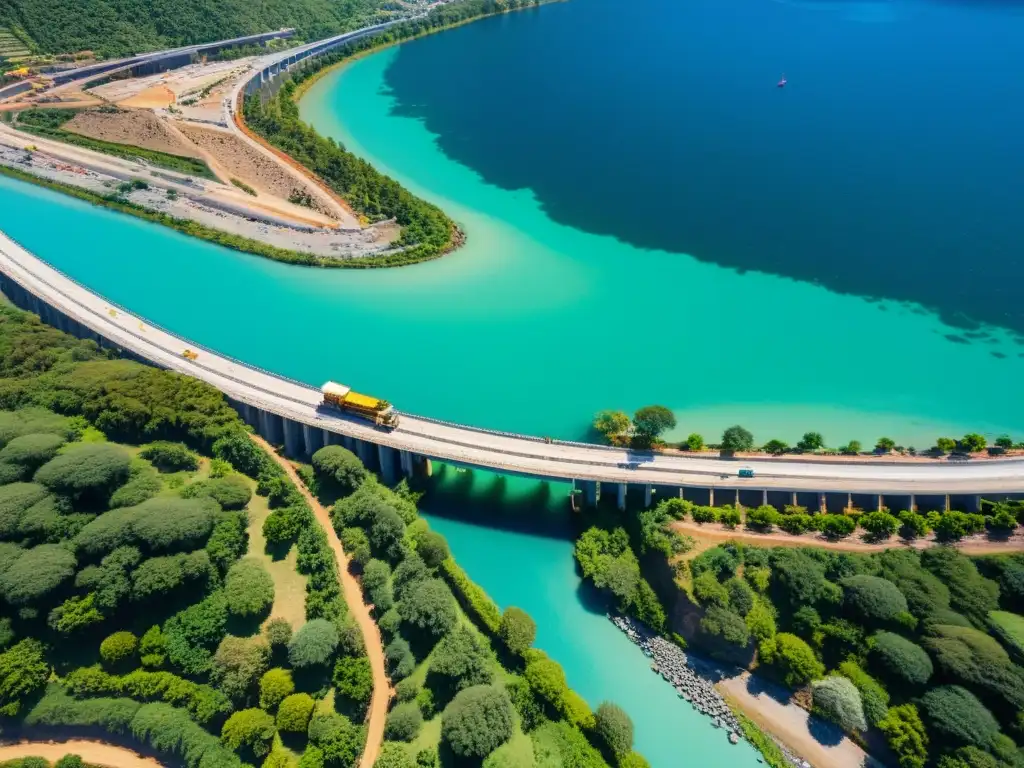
[
  {"x": 360, "y": 610},
  {"x": 92, "y": 752}
]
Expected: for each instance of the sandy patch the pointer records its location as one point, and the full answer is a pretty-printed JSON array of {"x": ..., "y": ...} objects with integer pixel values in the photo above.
[
  {"x": 94, "y": 752},
  {"x": 157, "y": 97},
  {"x": 136, "y": 128}
]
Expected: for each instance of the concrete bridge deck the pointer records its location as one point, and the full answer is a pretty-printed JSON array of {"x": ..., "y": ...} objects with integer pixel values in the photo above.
[{"x": 286, "y": 411}]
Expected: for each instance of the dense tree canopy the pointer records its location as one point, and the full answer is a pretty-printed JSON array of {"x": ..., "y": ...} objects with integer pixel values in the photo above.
[
  {"x": 248, "y": 588},
  {"x": 93, "y": 470},
  {"x": 478, "y": 721},
  {"x": 314, "y": 644}
]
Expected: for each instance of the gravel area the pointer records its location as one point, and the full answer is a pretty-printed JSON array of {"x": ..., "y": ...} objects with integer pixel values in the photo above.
[{"x": 135, "y": 127}]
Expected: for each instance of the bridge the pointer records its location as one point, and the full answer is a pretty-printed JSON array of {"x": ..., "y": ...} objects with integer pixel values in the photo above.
[{"x": 286, "y": 412}]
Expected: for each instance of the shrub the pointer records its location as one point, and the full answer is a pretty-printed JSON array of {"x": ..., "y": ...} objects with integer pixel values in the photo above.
[
  {"x": 795, "y": 660},
  {"x": 730, "y": 518},
  {"x": 68, "y": 761},
  {"x": 836, "y": 526},
  {"x": 275, "y": 686},
  {"x": 242, "y": 453},
  {"x": 238, "y": 663},
  {"x": 118, "y": 648},
  {"x": 15, "y": 500},
  {"x": 796, "y": 525},
  {"x": 913, "y": 525},
  {"x": 709, "y": 591},
  {"x": 231, "y": 492},
  {"x": 314, "y": 644},
  {"x": 394, "y": 756},
  {"x": 36, "y": 573},
  {"x": 143, "y": 485},
  {"x": 763, "y": 517},
  {"x": 971, "y": 657},
  {"x": 337, "y": 738},
  {"x": 278, "y": 632},
  {"x": 462, "y": 660},
  {"x": 472, "y": 597},
  {"x": 881, "y": 525},
  {"x": 721, "y": 622},
  {"x": 170, "y": 457},
  {"x": 741, "y": 596},
  {"x": 874, "y": 599},
  {"x": 837, "y": 699},
  {"x": 906, "y": 735},
  {"x": 404, "y": 722},
  {"x": 248, "y": 588},
  {"x": 430, "y": 607},
  {"x": 90, "y": 470},
  {"x": 953, "y": 525},
  {"x": 873, "y": 696},
  {"x": 252, "y": 729},
  {"x": 478, "y": 721},
  {"x": 547, "y": 681},
  {"x": 432, "y": 547},
  {"x": 970, "y": 593},
  {"x": 31, "y": 451},
  {"x": 23, "y": 671},
  {"x": 192, "y": 634},
  {"x": 353, "y": 680},
  {"x": 294, "y": 712},
  {"x": 356, "y": 544},
  {"x": 340, "y": 466},
  {"x": 956, "y": 718},
  {"x": 899, "y": 659},
  {"x": 614, "y": 727},
  {"x": 704, "y": 514},
  {"x": 577, "y": 711},
  {"x": 761, "y": 621},
  {"x": 159, "y": 576},
  {"x": 517, "y": 630}
]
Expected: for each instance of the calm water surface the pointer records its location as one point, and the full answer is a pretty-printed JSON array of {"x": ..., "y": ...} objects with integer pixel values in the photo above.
[{"x": 529, "y": 525}]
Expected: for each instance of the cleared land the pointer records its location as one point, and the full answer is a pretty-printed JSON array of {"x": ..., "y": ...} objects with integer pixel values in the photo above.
[
  {"x": 136, "y": 128},
  {"x": 289, "y": 584},
  {"x": 92, "y": 752}
]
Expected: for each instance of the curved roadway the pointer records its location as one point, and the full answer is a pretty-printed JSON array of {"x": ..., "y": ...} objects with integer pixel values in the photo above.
[{"x": 501, "y": 452}]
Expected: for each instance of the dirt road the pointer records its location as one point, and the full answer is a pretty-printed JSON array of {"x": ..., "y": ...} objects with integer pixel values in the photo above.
[
  {"x": 94, "y": 752},
  {"x": 360, "y": 610}
]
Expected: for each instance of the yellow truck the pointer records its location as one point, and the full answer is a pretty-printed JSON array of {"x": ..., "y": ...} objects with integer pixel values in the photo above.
[{"x": 342, "y": 398}]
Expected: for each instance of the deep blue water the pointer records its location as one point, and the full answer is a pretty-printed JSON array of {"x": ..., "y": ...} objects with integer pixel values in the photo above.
[{"x": 891, "y": 165}]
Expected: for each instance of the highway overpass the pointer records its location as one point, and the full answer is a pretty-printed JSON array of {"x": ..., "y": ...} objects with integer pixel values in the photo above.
[{"x": 286, "y": 412}]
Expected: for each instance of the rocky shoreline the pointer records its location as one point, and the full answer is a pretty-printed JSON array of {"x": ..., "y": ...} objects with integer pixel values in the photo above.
[{"x": 696, "y": 687}]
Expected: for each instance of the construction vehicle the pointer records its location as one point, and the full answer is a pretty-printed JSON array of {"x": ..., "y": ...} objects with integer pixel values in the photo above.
[
  {"x": 188, "y": 354},
  {"x": 342, "y": 398}
]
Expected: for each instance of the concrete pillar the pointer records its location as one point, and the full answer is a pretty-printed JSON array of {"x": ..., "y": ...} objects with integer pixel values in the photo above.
[
  {"x": 913, "y": 503},
  {"x": 711, "y": 497},
  {"x": 293, "y": 443},
  {"x": 386, "y": 457},
  {"x": 648, "y": 492},
  {"x": 252, "y": 416},
  {"x": 328, "y": 437},
  {"x": 622, "y": 497},
  {"x": 313, "y": 437},
  {"x": 792, "y": 499},
  {"x": 975, "y": 504},
  {"x": 682, "y": 493},
  {"x": 880, "y": 503},
  {"x": 736, "y": 500},
  {"x": 363, "y": 452},
  {"x": 428, "y": 467},
  {"x": 405, "y": 461},
  {"x": 822, "y": 503},
  {"x": 946, "y": 509},
  {"x": 764, "y": 497},
  {"x": 849, "y": 502},
  {"x": 589, "y": 492},
  {"x": 263, "y": 428}
]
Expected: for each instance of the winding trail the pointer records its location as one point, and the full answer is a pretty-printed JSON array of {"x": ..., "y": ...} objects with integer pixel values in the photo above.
[
  {"x": 93, "y": 752},
  {"x": 354, "y": 597}
]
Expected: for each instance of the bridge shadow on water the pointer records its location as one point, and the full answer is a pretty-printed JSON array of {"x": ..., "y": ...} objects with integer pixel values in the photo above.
[{"x": 513, "y": 504}]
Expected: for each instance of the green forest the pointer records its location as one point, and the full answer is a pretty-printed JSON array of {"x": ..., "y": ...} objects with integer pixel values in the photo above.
[
  {"x": 113, "y": 28},
  {"x": 149, "y": 554}
]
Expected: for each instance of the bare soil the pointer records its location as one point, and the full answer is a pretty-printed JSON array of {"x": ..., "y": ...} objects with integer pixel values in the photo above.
[
  {"x": 382, "y": 691},
  {"x": 136, "y": 128},
  {"x": 92, "y": 752},
  {"x": 157, "y": 97}
]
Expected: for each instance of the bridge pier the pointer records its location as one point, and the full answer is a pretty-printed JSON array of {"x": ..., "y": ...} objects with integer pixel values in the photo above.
[
  {"x": 386, "y": 457},
  {"x": 822, "y": 503},
  {"x": 271, "y": 427},
  {"x": 313, "y": 437},
  {"x": 648, "y": 493},
  {"x": 711, "y": 497},
  {"x": 589, "y": 488},
  {"x": 622, "y": 487},
  {"x": 364, "y": 452},
  {"x": 405, "y": 462},
  {"x": 293, "y": 445}
]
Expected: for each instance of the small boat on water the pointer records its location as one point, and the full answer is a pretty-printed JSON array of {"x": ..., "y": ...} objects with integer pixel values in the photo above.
[{"x": 782, "y": 82}]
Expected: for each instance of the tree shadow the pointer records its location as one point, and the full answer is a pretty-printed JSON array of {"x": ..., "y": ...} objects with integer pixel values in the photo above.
[
  {"x": 247, "y": 626},
  {"x": 277, "y": 551},
  {"x": 757, "y": 685},
  {"x": 592, "y": 599},
  {"x": 825, "y": 733}
]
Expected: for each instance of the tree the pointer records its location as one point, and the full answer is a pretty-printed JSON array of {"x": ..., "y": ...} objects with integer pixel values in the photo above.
[
  {"x": 899, "y": 659},
  {"x": 852, "y": 448},
  {"x": 251, "y": 729},
  {"x": 36, "y": 573},
  {"x": 170, "y": 457},
  {"x": 973, "y": 442},
  {"x": 118, "y": 648},
  {"x": 547, "y": 680},
  {"x": 837, "y": 699},
  {"x": 795, "y": 660},
  {"x": 730, "y": 626},
  {"x": 192, "y": 634},
  {"x": 294, "y": 712},
  {"x": 741, "y": 596},
  {"x": 477, "y": 721},
  {"x": 153, "y": 648},
  {"x": 811, "y": 441},
  {"x": 31, "y": 451},
  {"x": 275, "y": 686},
  {"x": 394, "y": 756},
  {"x": 430, "y": 607},
  {"x": 775, "y": 447},
  {"x": 353, "y": 680},
  {"x": 1005, "y": 442},
  {"x": 432, "y": 547},
  {"x": 611, "y": 424},
  {"x": 906, "y": 735},
  {"x": 314, "y": 644},
  {"x": 249, "y": 589},
  {"x": 836, "y": 526},
  {"x": 356, "y": 544},
  {"x": 761, "y": 621},
  {"x": 278, "y": 632},
  {"x": 90, "y": 470},
  {"x": 763, "y": 517},
  {"x": 340, "y": 466},
  {"x": 401, "y": 662},
  {"x": 404, "y": 722},
  {"x": 874, "y": 599},
  {"x": 461, "y": 660},
  {"x": 517, "y": 630},
  {"x": 970, "y": 593},
  {"x": 615, "y": 727},
  {"x": 694, "y": 442},
  {"x": 337, "y": 738},
  {"x": 387, "y": 533},
  {"x": 238, "y": 663},
  {"x": 652, "y": 420},
  {"x": 231, "y": 492},
  {"x": 881, "y": 525},
  {"x": 69, "y": 761},
  {"x": 23, "y": 671},
  {"x": 885, "y": 444},
  {"x": 955, "y": 717},
  {"x": 736, "y": 439},
  {"x": 945, "y": 444},
  {"x": 873, "y": 696}
]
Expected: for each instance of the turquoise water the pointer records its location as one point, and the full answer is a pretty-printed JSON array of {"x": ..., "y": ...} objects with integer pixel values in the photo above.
[{"x": 514, "y": 538}]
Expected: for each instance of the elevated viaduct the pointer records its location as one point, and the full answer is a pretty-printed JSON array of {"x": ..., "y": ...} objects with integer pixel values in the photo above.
[{"x": 286, "y": 412}]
